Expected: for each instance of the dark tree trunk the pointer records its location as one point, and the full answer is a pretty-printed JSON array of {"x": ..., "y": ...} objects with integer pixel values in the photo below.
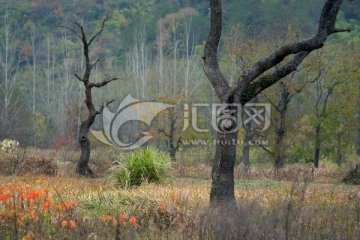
[
  {"x": 246, "y": 153},
  {"x": 282, "y": 107},
  {"x": 279, "y": 150},
  {"x": 222, "y": 188},
  {"x": 83, "y": 164},
  {"x": 172, "y": 144},
  {"x": 83, "y": 167},
  {"x": 317, "y": 146}
]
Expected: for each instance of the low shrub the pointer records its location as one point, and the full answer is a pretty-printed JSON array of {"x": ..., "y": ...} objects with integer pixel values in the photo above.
[
  {"x": 143, "y": 165},
  {"x": 353, "y": 176},
  {"x": 29, "y": 161}
]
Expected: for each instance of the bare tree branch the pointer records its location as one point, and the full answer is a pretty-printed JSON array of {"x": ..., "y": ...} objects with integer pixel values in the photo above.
[
  {"x": 326, "y": 28},
  {"x": 339, "y": 30},
  {"x": 178, "y": 143},
  {"x": 102, "y": 83},
  {"x": 95, "y": 62},
  {"x": 83, "y": 35},
  {"x": 72, "y": 30},
  {"x": 78, "y": 77},
  {"x": 105, "y": 105},
  {"x": 271, "y": 102},
  {"x": 268, "y": 80},
  {"x": 267, "y": 150},
  {"x": 100, "y": 31}
]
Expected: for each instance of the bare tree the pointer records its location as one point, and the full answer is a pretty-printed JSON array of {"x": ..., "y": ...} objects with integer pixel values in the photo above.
[
  {"x": 48, "y": 98},
  {"x": 9, "y": 63},
  {"x": 176, "y": 42},
  {"x": 67, "y": 83},
  {"x": 32, "y": 63},
  {"x": 83, "y": 167},
  {"x": 322, "y": 101},
  {"x": 249, "y": 84},
  {"x": 285, "y": 98}
]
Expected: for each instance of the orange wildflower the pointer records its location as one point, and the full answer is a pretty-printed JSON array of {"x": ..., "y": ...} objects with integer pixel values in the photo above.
[
  {"x": 59, "y": 206},
  {"x": 122, "y": 216},
  {"x": 64, "y": 223},
  {"x": 106, "y": 218},
  {"x": 65, "y": 206},
  {"x": 132, "y": 221},
  {"x": 46, "y": 204},
  {"x": 4, "y": 197},
  {"x": 32, "y": 195},
  {"x": 33, "y": 214},
  {"x": 69, "y": 205},
  {"x": 163, "y": 206},
  {"x": 10, "y": 187},
  {"x": 176, "y": 197},
  {"x": 19, "y": 188},
  {"x": 72, "y": 224}
]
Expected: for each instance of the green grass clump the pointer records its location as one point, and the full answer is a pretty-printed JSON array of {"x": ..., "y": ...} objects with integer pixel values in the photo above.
[{"x": 143, "y": 165}]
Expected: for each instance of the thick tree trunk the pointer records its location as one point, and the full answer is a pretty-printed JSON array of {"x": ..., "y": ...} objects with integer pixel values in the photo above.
[
  {"x": 222, "y": 188},
  {"x": 83, "y": 163},
  {"x": 83, "y": 167}
]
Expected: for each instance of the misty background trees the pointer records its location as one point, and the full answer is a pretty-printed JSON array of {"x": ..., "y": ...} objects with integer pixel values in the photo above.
[{"x": 157, "y": 51}]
